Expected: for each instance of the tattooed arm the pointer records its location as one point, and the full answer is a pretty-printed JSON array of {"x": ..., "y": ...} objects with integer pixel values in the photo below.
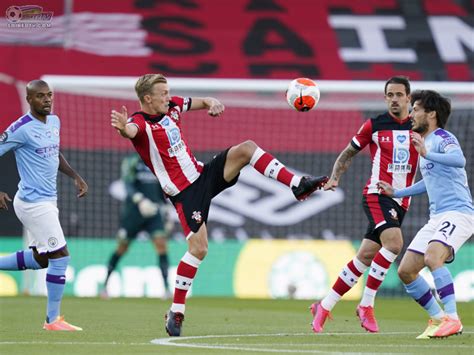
[{"x": 342, "y": 163}]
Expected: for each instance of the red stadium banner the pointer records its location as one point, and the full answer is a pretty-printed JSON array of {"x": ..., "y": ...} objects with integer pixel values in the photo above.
[{"x": 325, "y": 39}]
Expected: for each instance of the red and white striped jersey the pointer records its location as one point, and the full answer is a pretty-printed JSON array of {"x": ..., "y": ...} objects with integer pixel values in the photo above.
[
  {"x": 162, "y": 147},
  {"x": 394, "y": 158}
]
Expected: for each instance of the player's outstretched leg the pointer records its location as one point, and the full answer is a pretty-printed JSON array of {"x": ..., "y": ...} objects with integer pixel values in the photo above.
[
  {"x": 266, "y": 164},
  {"x": 21, "y": 260},
  {"x": 307, "y": 185}
]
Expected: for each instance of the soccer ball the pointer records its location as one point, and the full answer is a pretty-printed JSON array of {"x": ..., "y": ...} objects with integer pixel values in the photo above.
[{"x": 302, "y": 94}]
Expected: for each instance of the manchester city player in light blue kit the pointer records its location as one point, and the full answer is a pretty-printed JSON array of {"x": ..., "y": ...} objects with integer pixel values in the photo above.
[
  {"x": 451, "y": 221},
  {"x": 34, "y": 138}
]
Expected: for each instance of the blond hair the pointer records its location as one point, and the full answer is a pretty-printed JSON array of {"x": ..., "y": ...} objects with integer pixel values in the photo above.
[{"x": 145, "y": 84}]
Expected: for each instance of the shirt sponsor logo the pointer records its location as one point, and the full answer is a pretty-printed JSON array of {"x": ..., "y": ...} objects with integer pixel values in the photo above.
[
  {"x": 175, "y": 149},
  {"x": 49, "y": 151},
  {"x": 400, "y": 160}
]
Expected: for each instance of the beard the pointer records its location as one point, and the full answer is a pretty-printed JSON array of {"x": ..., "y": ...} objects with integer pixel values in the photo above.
[{"x": 422, "y": 128}]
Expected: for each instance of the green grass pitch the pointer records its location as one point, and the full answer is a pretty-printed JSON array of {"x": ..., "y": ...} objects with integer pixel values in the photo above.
[{"x": 221, "y": 326}]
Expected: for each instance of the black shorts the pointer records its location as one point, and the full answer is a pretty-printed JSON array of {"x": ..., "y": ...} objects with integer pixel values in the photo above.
[
  {"x": 192, "y": 204},
  {"x": 383, "y": 212}
]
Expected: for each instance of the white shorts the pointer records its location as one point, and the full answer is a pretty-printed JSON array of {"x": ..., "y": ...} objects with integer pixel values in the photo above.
[
  {"x": 451, "y": 228},
  {"x": 41, "y": 220}
]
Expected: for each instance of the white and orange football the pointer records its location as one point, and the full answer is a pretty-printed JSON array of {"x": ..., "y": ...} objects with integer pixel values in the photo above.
[{"x": 302, "y": 94}]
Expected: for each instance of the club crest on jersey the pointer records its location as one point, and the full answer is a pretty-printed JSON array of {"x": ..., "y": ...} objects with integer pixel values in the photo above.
[
  {"x": 393, "y": 213},
  {"x": 3, "y": 137},
  {"x": 401, "y": 138},
  {"x": 197, "y": 217},
  {"x": 165, "y": 122}
]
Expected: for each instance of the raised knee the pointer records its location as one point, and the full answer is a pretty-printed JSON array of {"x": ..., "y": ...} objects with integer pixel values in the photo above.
[{"x": 247, "y": 148}]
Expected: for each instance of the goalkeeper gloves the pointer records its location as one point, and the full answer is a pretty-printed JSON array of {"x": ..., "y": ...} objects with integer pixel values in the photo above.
[{"x": 146, "y": 207}]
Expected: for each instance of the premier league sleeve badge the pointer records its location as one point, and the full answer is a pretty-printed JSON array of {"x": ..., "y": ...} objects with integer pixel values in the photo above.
[{"x": 3, "y": 137}]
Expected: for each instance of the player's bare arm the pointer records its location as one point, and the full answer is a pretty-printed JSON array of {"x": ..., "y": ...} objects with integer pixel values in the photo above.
[
  {"x": 66, "y": 169},
  {"x": 385, "y": 188},
  {"x": 342, "y": 163},
  {"x": 4, "y": 198},
  {"x": 419, "y": 143},
  {"x": 214, "y": 106},
  {"x": 118, "y": 120}
]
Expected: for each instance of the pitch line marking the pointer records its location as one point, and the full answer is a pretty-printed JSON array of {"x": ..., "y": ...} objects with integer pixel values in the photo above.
[{"x": 172, "y": 341}]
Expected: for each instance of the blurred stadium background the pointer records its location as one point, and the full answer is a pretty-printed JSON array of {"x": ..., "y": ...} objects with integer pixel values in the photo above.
[{"x": 264, "y": 244}]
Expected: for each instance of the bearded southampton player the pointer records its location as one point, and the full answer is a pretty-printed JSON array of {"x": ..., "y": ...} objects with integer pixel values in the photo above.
[
  {"x": 34, "y": 138},
  {"x": 451, "y": 221},
  {"x": 393, "y": 160},
  {"x": 156, "y": 134}
]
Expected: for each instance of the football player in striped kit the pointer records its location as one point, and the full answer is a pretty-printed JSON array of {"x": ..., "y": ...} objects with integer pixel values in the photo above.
[
  {"x": 395, "y": 160},
  {"x": 156, "y": 134}
]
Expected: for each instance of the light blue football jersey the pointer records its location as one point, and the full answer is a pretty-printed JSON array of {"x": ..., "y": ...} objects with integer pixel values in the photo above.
[
  {"x": 36, "y": 148},
  {"x": 444, "y": 176}
]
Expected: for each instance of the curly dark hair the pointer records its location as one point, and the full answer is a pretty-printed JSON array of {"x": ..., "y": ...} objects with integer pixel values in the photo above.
[{"x": 432, "y": 101}]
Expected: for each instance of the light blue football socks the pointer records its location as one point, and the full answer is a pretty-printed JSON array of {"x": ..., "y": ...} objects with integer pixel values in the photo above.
[
  {"x": 21, "y": 260},
  {"x": 445, "y": 288},
  {"x": 55, "y": 282},
  {"x": 421, "y": 293}
]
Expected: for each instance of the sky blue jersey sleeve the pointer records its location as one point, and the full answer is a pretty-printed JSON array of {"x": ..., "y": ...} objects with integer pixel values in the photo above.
[
  {"x": 415, "y": 189},
  {"x": 11, "y": 140},
  {"x": 453, "y": 157}
]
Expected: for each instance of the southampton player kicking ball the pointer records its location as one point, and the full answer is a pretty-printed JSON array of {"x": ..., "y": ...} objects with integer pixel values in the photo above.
[{"x": 156, "y": 134}]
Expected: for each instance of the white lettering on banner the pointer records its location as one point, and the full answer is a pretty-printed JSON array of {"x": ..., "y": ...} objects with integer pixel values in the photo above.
[
  {"x": 373, "y": 44},
  {"x": 451, "y": 35}
]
